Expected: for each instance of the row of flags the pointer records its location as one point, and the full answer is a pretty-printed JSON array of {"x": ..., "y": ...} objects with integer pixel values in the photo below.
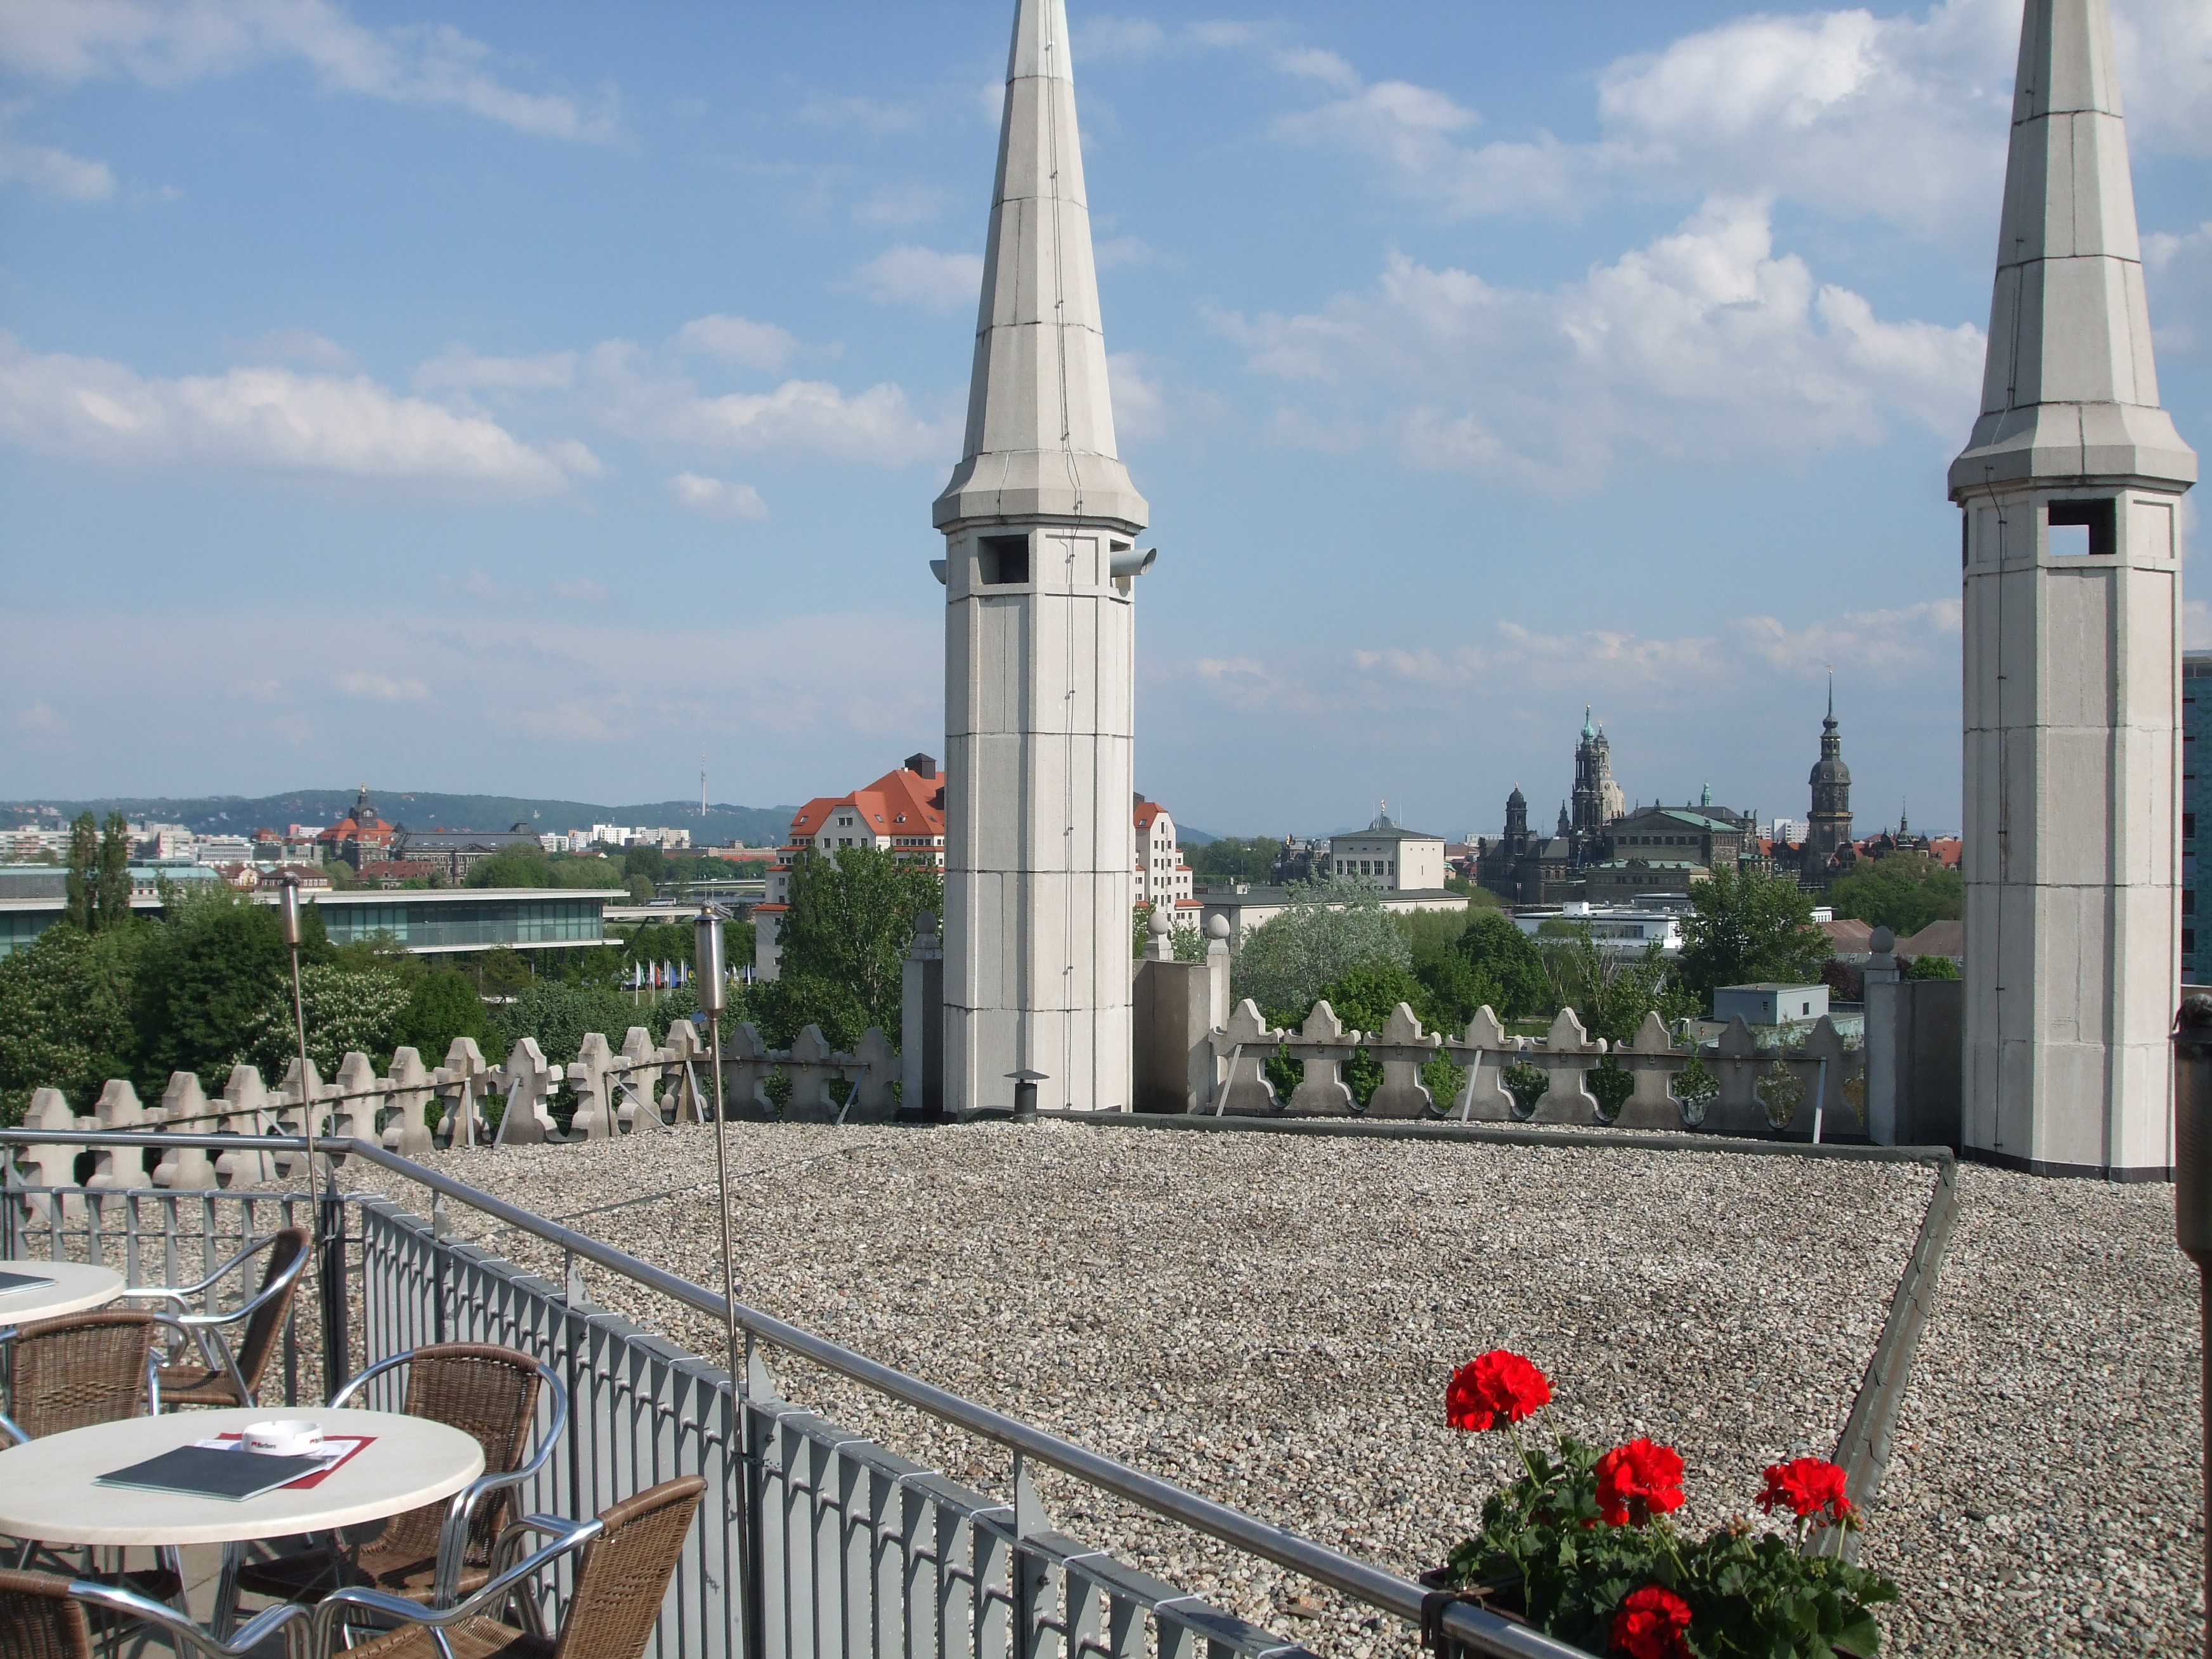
[{"x": 665, "y": 975}]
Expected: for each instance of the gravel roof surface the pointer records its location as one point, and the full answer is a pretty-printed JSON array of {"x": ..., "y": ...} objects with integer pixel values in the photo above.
[
  {"x": 2044, "y": 1493},
  {"x": 1268, "y": 1320}
]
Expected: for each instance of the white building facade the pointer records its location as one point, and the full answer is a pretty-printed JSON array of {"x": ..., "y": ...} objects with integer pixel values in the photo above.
[
  {"x": 1162, "y": 876},
  {"x": 1390, "y": 856}
]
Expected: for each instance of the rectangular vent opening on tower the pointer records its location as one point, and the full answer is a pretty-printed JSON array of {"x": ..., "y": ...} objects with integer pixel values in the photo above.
[
  {"x": 2091, "y": 528},
  {"x": 1003, "y": 560}
]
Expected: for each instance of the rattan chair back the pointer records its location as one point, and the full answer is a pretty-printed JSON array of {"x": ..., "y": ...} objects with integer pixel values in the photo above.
[
  {"x": 492, "y": 1393},
  {"x": 262, "y": 1330},
  {"x": 85, "y": 1368},
  {"x": 623, "y": 1576},
  {"x": 39, "y": 1620}
]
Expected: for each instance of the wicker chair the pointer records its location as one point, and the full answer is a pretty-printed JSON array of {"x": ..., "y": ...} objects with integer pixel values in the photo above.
[
  {"x": 629, "y": 1555},
  {"x": 73, "y": 1372},
  {"x": 444, "y": 1549},
  {"x": 224, "y": 1376},
  {"x": 42, "y": 1616}
]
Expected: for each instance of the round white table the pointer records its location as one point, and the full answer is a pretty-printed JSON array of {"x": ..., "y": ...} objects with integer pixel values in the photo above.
[
  {"x": 47, "y": 1491},
  {"x": 71, "y": 1287}
]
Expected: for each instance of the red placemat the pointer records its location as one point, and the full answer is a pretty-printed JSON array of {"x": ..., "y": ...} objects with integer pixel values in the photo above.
[{"x": 308, "y": 1482}]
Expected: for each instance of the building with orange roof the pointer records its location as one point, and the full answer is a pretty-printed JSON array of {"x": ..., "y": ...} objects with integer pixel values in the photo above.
[
  {"x": 359, "y": 837},
  {"x": 901, "y": 812}
]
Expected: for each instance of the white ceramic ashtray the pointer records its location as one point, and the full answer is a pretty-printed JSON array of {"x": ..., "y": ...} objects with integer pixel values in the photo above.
[{"x": 283, "y": 1437}]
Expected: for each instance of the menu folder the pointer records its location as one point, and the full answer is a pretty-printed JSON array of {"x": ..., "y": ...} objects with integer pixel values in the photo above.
[{"x": 235, "y": 1475}]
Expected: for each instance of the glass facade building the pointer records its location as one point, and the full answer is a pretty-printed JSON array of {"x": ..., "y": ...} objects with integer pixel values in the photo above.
[
  {"x": 420, "y": 921},
  {"x": 2196, "y": 786}
]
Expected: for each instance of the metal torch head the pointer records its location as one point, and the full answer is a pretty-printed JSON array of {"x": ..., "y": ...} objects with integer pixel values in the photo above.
[
  {"x": 287, "y": 911},
  {"x": 2192, "y": 1129},
  {"x": 710, "y": 971}
]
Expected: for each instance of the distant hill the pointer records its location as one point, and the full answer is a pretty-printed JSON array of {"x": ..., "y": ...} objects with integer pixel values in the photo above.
[{"x": 757, "y": 826}]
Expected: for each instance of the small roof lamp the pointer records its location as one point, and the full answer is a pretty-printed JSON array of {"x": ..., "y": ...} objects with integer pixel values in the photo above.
[{"x": 1025, "y": 1082}]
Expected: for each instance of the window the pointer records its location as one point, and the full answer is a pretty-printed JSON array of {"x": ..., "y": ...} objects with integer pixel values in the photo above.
[
  {"x": 1003, "y": 560},
  {"x": 2096, "y": 521}
]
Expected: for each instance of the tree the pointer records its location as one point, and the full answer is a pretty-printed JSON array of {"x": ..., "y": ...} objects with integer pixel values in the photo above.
[
  {"x": 1902, "y": 892},
  {"x": 207, "y": 975},
  {"x": 443, "y": 1005},
  {"x": 1234, "y": 857},
  {"x": 648, "y": 861},
  {"x": 82, "y": 882},
  {"x": 560, "y": 1017},
  {"x": 851, "y": 921},
  {"x": 1932, "y": 968},
  {"x": 512, "y": 868},
  {"x": 1284, "y": 963},
  {"x": 345, "y": 1010},
  {"x": 1504, "y": 971},
  {"x": 663, "y": 941},
  {"x": 1477, "y": 896},
  {"x": 65, "y": 1012},
  {"x": 640, "y": 889},
  {"x": 1746, "y": 927},
  {"x": 1610, "y": 992},
  {"x": 112, "y": 898}
]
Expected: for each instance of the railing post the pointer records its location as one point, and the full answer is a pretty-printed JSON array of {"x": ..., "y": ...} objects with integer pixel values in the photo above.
[
  {"x": 331, "y": 1272},
  {"x": 2193, "y": 1209}
]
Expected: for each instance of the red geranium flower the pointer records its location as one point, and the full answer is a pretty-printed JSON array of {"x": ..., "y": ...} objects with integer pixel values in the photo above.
[
  {"x": 1496, "y": 1389},
  {"x": 1651, "y": 1624},
  {"x": 1810, "y": 1487},
  {"x": 1637, "y": 1482}
]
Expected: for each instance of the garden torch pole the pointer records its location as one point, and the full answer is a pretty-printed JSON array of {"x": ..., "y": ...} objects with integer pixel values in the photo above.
[
  {"x": 287, "y": 911},
  {"x": 2193, "y": 1209},
  {"x": 712, "y": 980}
]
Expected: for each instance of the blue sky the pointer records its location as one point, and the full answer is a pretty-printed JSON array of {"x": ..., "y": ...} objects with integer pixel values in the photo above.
[{"x": 531, "y": 399}]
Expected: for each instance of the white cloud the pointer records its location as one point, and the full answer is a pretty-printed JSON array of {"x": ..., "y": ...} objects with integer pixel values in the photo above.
[
  {"x": 869, "y": 115},
  {"x": 2177, "y": 270},
  {"x": 1705, "y": 346},
  {"x": 812, "y": 417},
  {"x": 165, "y": 42},
  {"x": 1127, "y": 251},
  {"x": 381, "y": 688},
  {"x": 260, "y": 418},
  {"x": 901, "y": 204},
  {"x": 458, "y": 369},
  {"x": 1101, "y": 38},
  {"x": 715, "y": 499},
  {"x": 55, "y": 170},
  {"x": 1901, "y": 117},
  {"x": 303, "y": 348},
  {"x": 738, "y": 341},
  {"x": 922, "y": 277},
  {"x": 39, "y": 716}
]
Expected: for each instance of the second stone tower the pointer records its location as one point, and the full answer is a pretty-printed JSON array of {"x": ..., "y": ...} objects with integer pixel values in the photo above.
[{"x": 1040, "y": 523}]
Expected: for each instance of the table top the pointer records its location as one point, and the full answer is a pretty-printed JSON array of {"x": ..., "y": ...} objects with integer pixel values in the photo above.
[
  {"x": 76, "y": 1285},
  {"x": 47, "y": 1490}
]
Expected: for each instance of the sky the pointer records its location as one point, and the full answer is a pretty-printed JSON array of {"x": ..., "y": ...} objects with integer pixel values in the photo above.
[{"x": 548, "y": 399}]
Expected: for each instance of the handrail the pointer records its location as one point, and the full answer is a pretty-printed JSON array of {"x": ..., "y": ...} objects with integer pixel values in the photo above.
[{"x": 1473, "y": 1625}]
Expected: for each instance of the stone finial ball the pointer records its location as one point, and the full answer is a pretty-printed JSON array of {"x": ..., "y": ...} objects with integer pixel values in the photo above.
[
  {"x": 1217, "y": 928},
  {"x": 1159, "y": 922},
  {"x": 1883, "y": 941},
  {"x": 925, "y": 922}
]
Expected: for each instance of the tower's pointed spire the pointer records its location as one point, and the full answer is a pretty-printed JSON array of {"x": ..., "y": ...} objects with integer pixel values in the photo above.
[
  {"x": 2070, "y": 389},
  {"x": 1040, "y": 438}
]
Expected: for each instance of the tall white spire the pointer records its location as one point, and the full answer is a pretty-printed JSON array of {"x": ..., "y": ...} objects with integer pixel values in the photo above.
[
  {"x": 1040, "y": 418},
  {"x": 1040, "y": 522},
  {"x": 2069, "y": 388},
  {"x": 2070, "y": 645}
]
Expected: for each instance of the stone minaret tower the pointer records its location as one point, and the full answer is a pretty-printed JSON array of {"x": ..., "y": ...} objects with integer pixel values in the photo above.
[
  {"x": 2071, "y": 492},
  {"x": 1828, "y": 826},
  {"x": 1040, "y": 524}
]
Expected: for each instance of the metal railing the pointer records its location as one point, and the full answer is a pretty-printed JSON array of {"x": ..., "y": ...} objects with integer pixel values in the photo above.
[{"x": 830, "y": 1545}]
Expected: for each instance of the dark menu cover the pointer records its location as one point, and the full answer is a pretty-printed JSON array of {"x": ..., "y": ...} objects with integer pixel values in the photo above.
[{"x": 206, "y": 1474}]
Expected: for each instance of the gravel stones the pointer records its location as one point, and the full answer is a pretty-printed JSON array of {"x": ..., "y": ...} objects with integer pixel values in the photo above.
[
  {"x": 2044, "y": 1495},
  {"x": 1267, "y": 1320}
]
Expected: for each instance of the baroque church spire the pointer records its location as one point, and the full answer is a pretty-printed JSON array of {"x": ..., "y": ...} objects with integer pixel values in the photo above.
[
  {"x": 1040, "y": 438},
  {"x": 2069, "y": 389}
]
